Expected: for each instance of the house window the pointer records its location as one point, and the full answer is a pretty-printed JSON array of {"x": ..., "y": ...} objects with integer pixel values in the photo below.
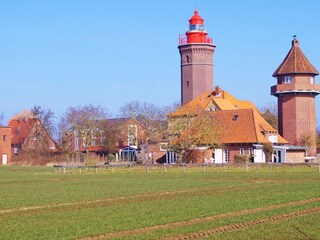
[
  {"x": 235, "y": 117},
  {"x": 241, "y": 151},
  {"x": 4, "y": 138},
  {"x": 15, "y": 150},
  {"x": 227, "y": 155},
  {"x": 287, "y": 79},
  {"x": 132, "y": 135},
  {"x": 251, "y": 151}
]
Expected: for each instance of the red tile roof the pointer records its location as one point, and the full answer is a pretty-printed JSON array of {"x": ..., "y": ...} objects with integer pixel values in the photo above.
[
  {"x": 212, "y": 101},
  {"x": 21, "y": 128},
  {"x": 236, "y": 121},
  {"x": 243, "y": 126},
  {"x": 295, "y": 62}
]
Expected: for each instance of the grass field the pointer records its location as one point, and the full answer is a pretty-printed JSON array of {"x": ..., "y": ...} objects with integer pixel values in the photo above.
[{"x": 218, "y": 203}]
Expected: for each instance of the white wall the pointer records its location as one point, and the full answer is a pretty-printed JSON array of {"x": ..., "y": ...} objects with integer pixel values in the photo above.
[
  {"x": 218, "y": 156},
  {"x": 259, "y": 156}
]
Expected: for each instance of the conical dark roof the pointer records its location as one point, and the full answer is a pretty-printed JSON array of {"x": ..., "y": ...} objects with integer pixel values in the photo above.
[{"x": 295, "y": 62}]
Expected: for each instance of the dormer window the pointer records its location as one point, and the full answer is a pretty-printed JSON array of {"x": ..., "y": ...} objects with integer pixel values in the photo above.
[{"x": 287, "y": 79}]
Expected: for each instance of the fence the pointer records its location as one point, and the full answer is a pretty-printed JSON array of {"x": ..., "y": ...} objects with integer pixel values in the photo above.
[{"x": 133, "y": 167}]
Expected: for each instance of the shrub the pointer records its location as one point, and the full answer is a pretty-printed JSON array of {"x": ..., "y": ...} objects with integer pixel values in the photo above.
[
  {"x": 242, "y": 158},
  {"x": 111, "y": 157}
]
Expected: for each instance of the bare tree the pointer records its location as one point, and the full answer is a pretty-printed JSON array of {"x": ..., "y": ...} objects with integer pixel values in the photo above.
[
  {"x": 151, "y": 116},
  {"x": 82, "y": 124},
  {"x": 318, "y": 140},
  {"x": 192, "y": 130},
  {"x": 47, "y": 118},
  {"x": 310, "y": 142},
  {"x": 270, "y": 114},
  {"x": 268, "y": 150},
  {"x": 112, "y": 134},
  {"x": 1, "y": 118}
]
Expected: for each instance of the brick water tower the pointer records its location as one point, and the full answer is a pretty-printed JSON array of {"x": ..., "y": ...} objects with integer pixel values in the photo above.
[
  {"x": 296, "y": 90},
  {"x": 196, "y": 51}
]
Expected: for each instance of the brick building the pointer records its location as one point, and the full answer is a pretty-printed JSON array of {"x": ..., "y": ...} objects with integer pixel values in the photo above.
[
  {"x": 296, "y": 90},
  {"x": 28, "y": 133},
  {"x": 242, "y": 129},
  {"x": 5, "y": 145}
]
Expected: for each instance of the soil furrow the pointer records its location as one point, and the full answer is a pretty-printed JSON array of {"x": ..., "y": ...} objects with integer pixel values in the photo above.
[
  {"x": 239, "y": 226},
  {"x": 109, "y": 202},
  {"x": 199, "y": 220}
]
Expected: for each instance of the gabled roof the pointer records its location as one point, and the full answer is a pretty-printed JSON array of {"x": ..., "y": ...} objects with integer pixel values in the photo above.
[
  {"x": 212, "y": 101},
  {"x": 21, "y": 128},
  {"x": 243, "y": 126},
  {"x": 22, "y": 115},
  {"x": 295, "y": 62}
]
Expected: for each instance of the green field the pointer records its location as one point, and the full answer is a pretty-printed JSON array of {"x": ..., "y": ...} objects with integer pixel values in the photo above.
[{"x": 216, "y": 203}]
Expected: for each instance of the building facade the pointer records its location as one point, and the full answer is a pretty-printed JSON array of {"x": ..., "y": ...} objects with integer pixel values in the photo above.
[
  {"x": 5, "y": 145},
  {"x": 29, "y": 134}
]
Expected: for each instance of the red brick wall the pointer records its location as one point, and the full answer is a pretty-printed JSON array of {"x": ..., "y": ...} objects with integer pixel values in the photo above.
[
  {"x": 198, "y": 72},
  {"x": 5, "y": 146},
  {"x": 124, "y": 131},
  {"x": 297, "y": 118},
  {"x": 235, "y": 150}
]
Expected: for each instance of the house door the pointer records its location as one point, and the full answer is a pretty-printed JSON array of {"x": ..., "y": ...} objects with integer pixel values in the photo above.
[{"x": 4, "y": 159}]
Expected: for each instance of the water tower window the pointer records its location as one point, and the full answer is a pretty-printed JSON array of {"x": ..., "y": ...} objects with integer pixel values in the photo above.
[
  {"x": 187, "y": 84},
  {"x": 312, "y": 80},
  {"x": 287, "y": 79},
  {"x": 188, "y": 59}
]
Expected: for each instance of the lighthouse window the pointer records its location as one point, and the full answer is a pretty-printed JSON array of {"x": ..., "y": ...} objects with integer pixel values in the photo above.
[
  {"x": 197, "y": 27},
  {"x": 187, "y": 84},
  {"x": 287, "y": 79},
  {"x": 188, "y": 59}
]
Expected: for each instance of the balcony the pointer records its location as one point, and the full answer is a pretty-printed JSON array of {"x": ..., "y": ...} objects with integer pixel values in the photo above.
[{"x": 295, "y": 88}]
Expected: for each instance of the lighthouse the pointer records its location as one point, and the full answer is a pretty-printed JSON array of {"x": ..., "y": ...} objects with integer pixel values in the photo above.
[
  {"x": 196, "y": 52},
  {"x": 296, "y": 90}
]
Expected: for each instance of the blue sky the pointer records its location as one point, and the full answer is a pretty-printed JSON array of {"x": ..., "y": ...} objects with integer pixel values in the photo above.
[{"x": 63, "y": 53}]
